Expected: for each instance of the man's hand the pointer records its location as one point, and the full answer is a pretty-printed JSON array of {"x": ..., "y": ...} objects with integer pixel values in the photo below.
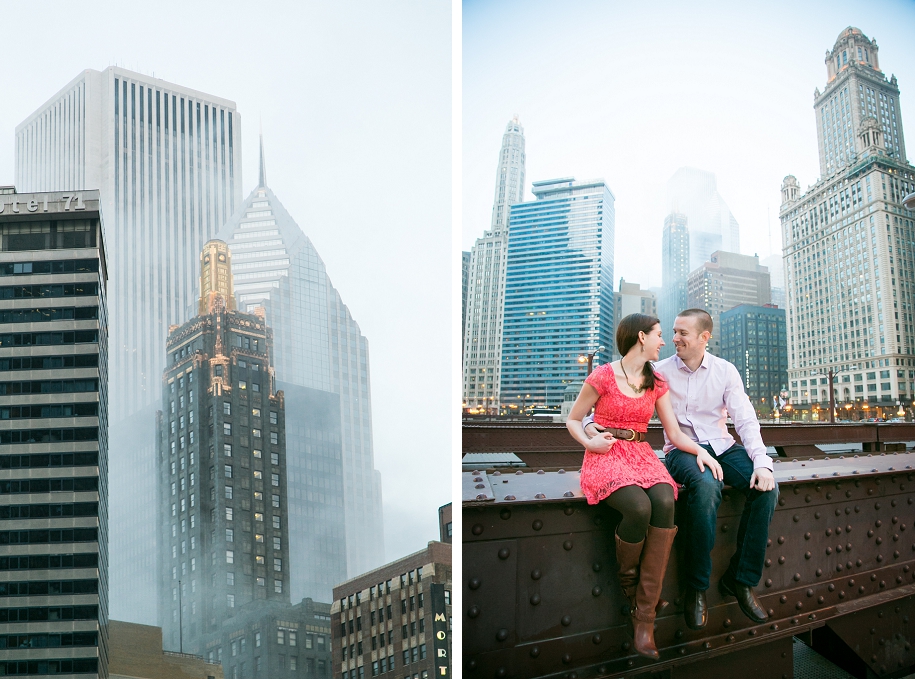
[
  {"x": 592, "y": 430},
  {"x": 705, "y": 459},
  {"x": 601, "y": 443},
  {"x": 763, "y": 479}
]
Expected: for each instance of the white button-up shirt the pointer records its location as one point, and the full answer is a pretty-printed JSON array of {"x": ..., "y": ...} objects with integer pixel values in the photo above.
[{"x": 702, "y": 401}]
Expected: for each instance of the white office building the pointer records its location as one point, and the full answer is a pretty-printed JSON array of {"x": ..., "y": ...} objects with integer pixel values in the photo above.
[{"x": 166, "y": 160}]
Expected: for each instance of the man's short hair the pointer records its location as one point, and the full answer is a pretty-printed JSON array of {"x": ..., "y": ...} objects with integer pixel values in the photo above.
[{"x": 703, "y": 319}]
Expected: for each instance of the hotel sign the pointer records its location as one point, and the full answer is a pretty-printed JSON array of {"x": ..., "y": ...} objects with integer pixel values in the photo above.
[
  {"x": 37, "y": 203},
  {"x": 440, "y": 630}
]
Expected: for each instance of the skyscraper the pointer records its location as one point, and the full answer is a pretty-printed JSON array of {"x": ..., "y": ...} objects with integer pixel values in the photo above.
[
  {"x": 694, "y": 193},
  {"x": 486, "y": 279},
  {"x": 848, "y": 241},
  {"x": 558, "y": 289},
  {"x": 754, "y": 339},
  {"x": 166, "y": 160},
  {"x": 674, "y": 274},
  {"x": 465, "y": 274},
  {"x": 322, "y": 362},
  {"x": 53, "y": 434},
  {"x": 630, "y": 298},
  {"x": 222, "y": 517},
  {"x": 725, "y": 281}
]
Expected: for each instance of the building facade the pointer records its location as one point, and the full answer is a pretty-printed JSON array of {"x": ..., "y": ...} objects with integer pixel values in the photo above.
[
  {"x": 558, "y": 290},
  {"x": 53, "y": 435},
  {"x": 630, "y": 298},
  {"x": 482, "y": 352},
  {"x": 136, "y": 653},
  {"x": 166, "y": 160},
  {"x": 694, "y": 193},
  {"x": 465, "y": 276},
  {"x": 322, "y": 358},
  {"x": 674, "y": 274},
  {"x": 725, "y": 281},
  {"x": 222, "y": 519},
  {"x": 755, "y": 340},
  {"x": 395, "y": 621},
  {"x": 849, "y": 244}
]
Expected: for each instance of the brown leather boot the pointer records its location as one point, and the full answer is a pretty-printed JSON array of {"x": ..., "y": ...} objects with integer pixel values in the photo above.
[
  {"x": 655, "y": 555},
  {"x": 628, "y": 555}
]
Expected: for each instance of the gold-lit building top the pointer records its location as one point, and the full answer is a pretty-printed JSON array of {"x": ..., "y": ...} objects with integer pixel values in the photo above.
[{"x": 215, "y": 277}]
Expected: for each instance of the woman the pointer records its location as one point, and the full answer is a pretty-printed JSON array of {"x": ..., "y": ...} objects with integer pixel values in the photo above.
[{"x": 622, "y": 470}]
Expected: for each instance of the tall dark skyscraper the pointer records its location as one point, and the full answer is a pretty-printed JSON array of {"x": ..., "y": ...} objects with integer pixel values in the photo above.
[
  {"x": 53, "y": 435},
  {"x": 322, "y": 364},
  {"x": 224, "y": 532},
  {"x": 166, "y": 160},
  {"x": 674, "y": 274}
]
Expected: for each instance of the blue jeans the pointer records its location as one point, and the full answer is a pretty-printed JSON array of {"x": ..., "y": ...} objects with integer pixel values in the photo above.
[{"x": 703, "y": 496}]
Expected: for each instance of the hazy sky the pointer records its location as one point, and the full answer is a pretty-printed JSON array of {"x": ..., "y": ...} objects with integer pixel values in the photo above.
[
  {"x": 630, "y": 92},
  {"x": 355, "y": 99}
]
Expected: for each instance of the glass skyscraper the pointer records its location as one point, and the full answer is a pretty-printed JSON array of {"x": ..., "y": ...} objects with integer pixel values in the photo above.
[
  {"x": 674, "y": 275},
  {"x": 335, "y": 511},
  {"x": 558, "y": 289},
  {"x": 166, "y": 160}
]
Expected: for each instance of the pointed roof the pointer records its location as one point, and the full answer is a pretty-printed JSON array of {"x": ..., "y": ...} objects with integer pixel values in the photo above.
[{"x": 262, "y": 180}]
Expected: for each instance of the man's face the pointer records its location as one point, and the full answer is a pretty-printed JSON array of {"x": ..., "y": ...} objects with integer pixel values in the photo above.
[{"x": 690, "y": 343}]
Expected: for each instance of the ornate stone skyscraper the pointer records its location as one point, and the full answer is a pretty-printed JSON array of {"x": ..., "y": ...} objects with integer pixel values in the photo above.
[
  {"x": 847, "y": 242},
  {"x": 486, "y": 279}
]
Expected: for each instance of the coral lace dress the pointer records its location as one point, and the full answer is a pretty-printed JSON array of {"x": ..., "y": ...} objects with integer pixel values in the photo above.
[{"x": 628, "y": 463}]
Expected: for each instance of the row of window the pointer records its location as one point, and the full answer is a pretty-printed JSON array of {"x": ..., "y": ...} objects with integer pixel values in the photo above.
[
  {"x": 45, "y": 460},
  {"x": 79, "y": 313},
  {"x": 48, "y": 613},
  {"x": 75, "y": 484},
  {"x": 48, "y": 561},
  {"x": 48, "y": 362},
  {"x": 43, "y": 411},
  {"x": 48, "y": 587},
  {"x": 43, "y": 536},
  {"x": 37, "y": 339},
  {"x": 49, "y": 435},
  {"x": 48, "y": 387},
  {"x": 14, "y": 668},
  {"x": 48, "y": 511},
  {"x": 64, "y": 640},
  {"x": 66, "y": 266},
  {"x": 48, "y": 290}
]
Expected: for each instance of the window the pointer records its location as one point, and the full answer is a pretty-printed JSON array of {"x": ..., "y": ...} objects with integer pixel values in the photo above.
[
  {"x": 276, "y": 522},
  {"x": 292, "y": 637},
  {"x": 276, "y": 501},
  {"x": 257, "y": 640},
  {"x": 281, "y": 637},
  {"x": 228, "y": 471},
  {"x": 229, "y": 513},
  {"x": 258, "y": 496},
  {"x": 230, "y": 600},
  {"x": 422, "y": 651},
  {"x": 258, "y": 474},
  {"x": 447, "y": 597},
  {"x": 255, "y": 412},
  {"x": 230, "y": 578},
  {"x": 230, "y": 556},
  {"x": 256, "y": 433},
  {"x": 257, "y": 453},
  {"x": 226, "y": 407},
  {"x": 228, "y": 492},
  {"x": 277, "y": 544},
  {"x": 293, "y": 664},
  {"x": 274, "y": 438},
  {"x": 258, "y": 537},
  {"x": 258, "y": 516},
  {"x": 274, "y": 479},
  {"x": 255, "y": 386},
  {"x": 230, "y": 535},
  {"x": 278, "y": 586},
  {"x": 259, "y": 560},
  {"x": 261, "y": 582},
  {"x": 227, "y": 428},
  {"x": 272, "y": 417},
  {"x": 278, "y": 565},
  {"x": 242, "y": 384},
  {"x": 227, "y": 449},
  {"x": 274, "y": 458}
]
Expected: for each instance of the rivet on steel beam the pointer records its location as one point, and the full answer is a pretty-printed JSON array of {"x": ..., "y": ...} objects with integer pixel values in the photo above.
[
  {"x": 480, "y": 485},
  {"x": 768, "y": 582},
  {"x": 821, "y": 599},
  {"x": 474, "y": 583},
  {"x": 769, "y": 542},
  {"x": 807, "y": 535},
  {"x": 595, "y": 639},
  {"x": 812, "y": 616},
  {"x": 841, "y": 593},
  {"x": 896, "y": 537},
  {"x": 730, "y": 637},
  {"x": 874, "y": 576},
  {"x": 477, "y": 478},
  {"x": 537, "y": 525},
  {"x": 497, "y": 473},
  {"x": 879, "y": 541},
  {"x": 568, "y": 493},
  {"x": 781, "y": 559},
  {"x": 896, "y": 554},
  {"x": 829, "y": 550},
  {"x": 828, "y": 496},
  {"x": 797, "y": 577},
  {"x": 838, "y": 548},
  {"x": 475, "y": 472},
  {"x": 626, "y": 646},
  {"x": 783, "y": 599},
  {"x": 707, "y": 645},
  {"x": 807, "y": 555},
  {"x": 838, "y": 568},
  {"x": 768, "y": 562},
  {"x": 809, "y": 592},
  {"x": 477, "y": 529},
  {"x": 505, "y": 514},
  {"x": 877, "y": 505},
  {"x": 596, "y": 590},
  {"x": 568, "y": 511},
  {"x": 879, "y": 558},
  {"x": 561, "y": 471},
  {"x": 481, "y": 496},
  {"x": 752, "y": 632},
  {"x": 870, "y": 533},
  {"x": 781, "y": 539},
  {"x": 895, "y": 519},
  {"x": 535, "y": 651},
  {"x": 473, "y": 612},
  {"x": 535, "y": 574},
  {"x": 682, "y": 652},
  {"x": 828, "y": 532},
  {"x": 726, "y": 623},
  {"x": 819, "y": 572},
  {"x": 808, "y": 498},
  {"x": 838, "y": 512},
  {"x": 861, "y": 589},
  {"x": 773, "y": 626},
  {"x": 567, "y": 658},
  {"x": 796, "y": 518},
  {"x": 539, "y": 496},
  {"x": 510, "y": 497},
  {"x": 519, "y": 473},
  {"x": 535, "y": 600},
  {"x": 878, "y": 523},
  {"x": 595, "y": 567},
  {"x": 815, "y": 476},
  {"x": 567, "y": 545},
  {"x": 502, "y": 634},
  {"x": 504, "y": 553},
  {"x": 816, "y": 515},
  {"x": 831, "y": 587},
  {"x": 566, "y": 620},
  {"x": 835, "y": 474},
  {"x": 848, "y": 565},
  {"x": 540, "y": 471},
  {"x": 898, "y": 579},
  {"x": 855, "y": 471},
  {"x": 501, "y": 672}
]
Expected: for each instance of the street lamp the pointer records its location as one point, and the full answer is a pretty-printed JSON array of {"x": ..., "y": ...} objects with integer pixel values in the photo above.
[
  {"x": 589, "y": 358},
  {"x": 832, "y": 374}
]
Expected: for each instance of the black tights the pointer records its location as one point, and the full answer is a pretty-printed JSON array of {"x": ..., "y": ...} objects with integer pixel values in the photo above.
[{"x": 640, "y": 507}]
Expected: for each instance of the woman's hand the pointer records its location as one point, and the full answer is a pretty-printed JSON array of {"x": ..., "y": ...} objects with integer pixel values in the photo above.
[
  {"x": 705, "y": 459},
  {"x": 601, "y": 443}
]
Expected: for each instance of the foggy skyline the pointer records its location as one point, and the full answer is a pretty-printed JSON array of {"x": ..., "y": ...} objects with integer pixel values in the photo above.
[{"x": 331, "y": 86}]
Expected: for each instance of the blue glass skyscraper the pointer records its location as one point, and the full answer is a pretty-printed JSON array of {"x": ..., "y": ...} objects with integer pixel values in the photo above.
[{"x": 558, "y": 289}]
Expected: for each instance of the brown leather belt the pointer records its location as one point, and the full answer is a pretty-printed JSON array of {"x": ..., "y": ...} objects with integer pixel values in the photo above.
[{"x": 626, "y": 434}]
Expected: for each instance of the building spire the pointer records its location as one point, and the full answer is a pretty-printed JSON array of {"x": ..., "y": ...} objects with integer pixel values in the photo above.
[{"x": 263, "y": 172}]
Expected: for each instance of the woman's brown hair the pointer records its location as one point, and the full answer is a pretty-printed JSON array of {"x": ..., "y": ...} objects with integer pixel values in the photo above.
[{"x": 627, "y": 336}]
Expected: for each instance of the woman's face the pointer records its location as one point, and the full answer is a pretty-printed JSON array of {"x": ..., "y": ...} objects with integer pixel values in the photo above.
[{"x": 652, "y": 342}]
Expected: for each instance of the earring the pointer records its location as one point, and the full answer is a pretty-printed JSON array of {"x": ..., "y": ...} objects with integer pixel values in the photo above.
[{"x": 642, "y": 348}]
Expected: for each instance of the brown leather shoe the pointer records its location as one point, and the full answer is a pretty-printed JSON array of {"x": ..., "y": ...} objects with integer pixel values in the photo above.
[
  {"x": 695, "y": 608},
  {"x": 746, "y": 599},
  {"x": 655, "y": 555}
]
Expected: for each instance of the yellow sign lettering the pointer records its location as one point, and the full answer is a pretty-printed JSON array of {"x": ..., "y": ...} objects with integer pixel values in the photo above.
[
  {"x": 442, "y": 653},
  {"x": 440, "y": 635},
  {"x": 440, "y": 617}
]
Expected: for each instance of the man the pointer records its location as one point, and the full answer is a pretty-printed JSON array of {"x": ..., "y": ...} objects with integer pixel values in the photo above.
[{"x": 704, "y": 391}]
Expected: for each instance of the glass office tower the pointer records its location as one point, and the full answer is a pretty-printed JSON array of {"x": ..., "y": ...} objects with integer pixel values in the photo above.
[
  {"x": 53, "y": 435},
  {"x": 558, "y": 289}
]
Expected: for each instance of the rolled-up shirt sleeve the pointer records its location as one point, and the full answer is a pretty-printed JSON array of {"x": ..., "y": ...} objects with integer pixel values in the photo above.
[{"x": 744, "y": 418}]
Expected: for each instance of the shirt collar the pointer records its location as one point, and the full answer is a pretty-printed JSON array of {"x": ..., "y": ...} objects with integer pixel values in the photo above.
[{"x": 682, "y": 366}]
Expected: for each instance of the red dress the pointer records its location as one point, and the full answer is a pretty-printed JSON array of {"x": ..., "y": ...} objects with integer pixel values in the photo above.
[{"x": 628, "y": 463}]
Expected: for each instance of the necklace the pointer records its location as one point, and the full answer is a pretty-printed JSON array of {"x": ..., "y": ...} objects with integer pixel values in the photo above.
[{"x": 637, "y": 390}]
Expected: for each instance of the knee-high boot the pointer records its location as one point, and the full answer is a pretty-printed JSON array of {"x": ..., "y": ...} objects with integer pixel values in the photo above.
[
  {"x": 655, "y": 554},
  {"x": 628, "y": 555}
]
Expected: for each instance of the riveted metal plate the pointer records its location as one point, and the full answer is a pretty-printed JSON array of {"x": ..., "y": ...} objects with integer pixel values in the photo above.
[{"x": 476, "y": 487}]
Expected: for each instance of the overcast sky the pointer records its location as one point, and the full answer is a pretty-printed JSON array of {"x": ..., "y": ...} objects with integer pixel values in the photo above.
[
  {"x": 355, "y": 99},
  {"x": 629, "y": 92}
]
